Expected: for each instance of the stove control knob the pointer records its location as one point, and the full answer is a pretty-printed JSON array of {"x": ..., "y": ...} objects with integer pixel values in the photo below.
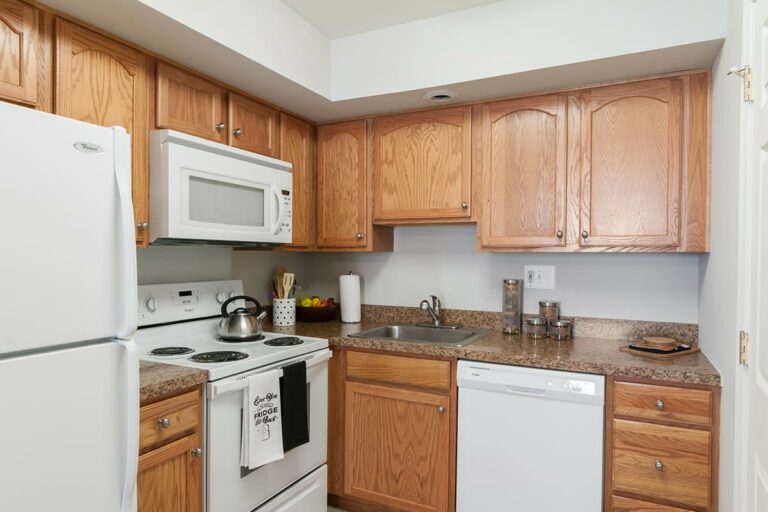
[
  {"x": 221, "y": 297},
  {"x": 151, "y": 304}
]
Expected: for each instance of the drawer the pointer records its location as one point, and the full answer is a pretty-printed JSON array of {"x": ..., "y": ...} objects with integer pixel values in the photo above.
[
  {"x": 622, "y": 504},
  {"x": 181, "y": 412},
  {"x": 660, "y": 461},
  {"x": 650, "y": 401},
  {"x": 409, "y": 371}
]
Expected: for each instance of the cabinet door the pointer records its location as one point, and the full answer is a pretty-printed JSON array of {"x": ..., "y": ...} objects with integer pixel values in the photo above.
[
  {"x": 169, "y": 478},
  {"x": 19, "y": 49},
  {"x": 522, "y": 151},
  {"x": 189, "y": 104},
  {"x": 342, "y": 185},
  {"x": 631, "y": 143},
  {"x": 397, "y": 449},
  {"x": 296, "y": 146},
  {"x": 103, "y": 82},
  {"x": 253, "y": 125},
  {"x": 422, "y": 166}
]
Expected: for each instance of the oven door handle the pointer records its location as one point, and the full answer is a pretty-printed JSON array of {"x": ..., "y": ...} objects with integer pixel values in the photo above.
[{"x": 216, "y": 389}]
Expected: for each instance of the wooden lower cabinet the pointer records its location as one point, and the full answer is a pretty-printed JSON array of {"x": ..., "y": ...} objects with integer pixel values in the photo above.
[
  {"x": 398, "y": 448},
  {"x": 170, "y": 457}
]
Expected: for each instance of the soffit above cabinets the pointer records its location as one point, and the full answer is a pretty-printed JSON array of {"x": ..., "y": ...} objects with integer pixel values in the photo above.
[{"x": 482, "y": 51}]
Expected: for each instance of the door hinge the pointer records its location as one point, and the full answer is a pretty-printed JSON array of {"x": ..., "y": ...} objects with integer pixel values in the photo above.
[
  {"x": 746, "y": 74},
  {"x": 743, "y": 347}
]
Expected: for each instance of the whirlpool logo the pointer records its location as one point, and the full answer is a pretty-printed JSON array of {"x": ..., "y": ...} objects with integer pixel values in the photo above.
[{"x": 88, "y": 148}]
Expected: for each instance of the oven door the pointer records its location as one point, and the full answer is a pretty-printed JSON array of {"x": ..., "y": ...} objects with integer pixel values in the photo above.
[
  {"x": 231, "y": 488},
  {"x": 220, "y": 198}
]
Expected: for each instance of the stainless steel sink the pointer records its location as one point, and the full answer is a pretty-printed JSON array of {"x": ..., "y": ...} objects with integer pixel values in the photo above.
[{"x": 452, "y": 336}]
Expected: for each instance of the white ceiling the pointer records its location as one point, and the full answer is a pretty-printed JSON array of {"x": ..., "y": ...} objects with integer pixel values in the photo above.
[{"x": 339, "y": 18}]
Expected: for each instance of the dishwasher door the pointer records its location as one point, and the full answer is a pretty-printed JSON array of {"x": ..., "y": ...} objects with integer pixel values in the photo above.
[{"x": 529, "y": 440}]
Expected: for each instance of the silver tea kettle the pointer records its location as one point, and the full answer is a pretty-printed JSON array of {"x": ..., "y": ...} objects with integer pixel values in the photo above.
[{"x": 241, "y": 324}]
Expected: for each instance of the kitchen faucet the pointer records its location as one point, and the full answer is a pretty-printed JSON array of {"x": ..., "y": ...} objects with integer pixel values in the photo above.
[{"x": 433, "y": 310}]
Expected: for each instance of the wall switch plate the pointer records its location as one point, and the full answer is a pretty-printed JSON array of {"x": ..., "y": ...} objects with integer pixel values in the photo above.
[{"x": 540, "y": 276}]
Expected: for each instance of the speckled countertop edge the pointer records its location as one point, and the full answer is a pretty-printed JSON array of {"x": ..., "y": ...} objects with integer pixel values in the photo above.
[{"x": 158, "y": 380}]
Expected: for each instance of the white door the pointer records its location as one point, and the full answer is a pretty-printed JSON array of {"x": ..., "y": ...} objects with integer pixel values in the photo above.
[{"x": 756, "y": 460}]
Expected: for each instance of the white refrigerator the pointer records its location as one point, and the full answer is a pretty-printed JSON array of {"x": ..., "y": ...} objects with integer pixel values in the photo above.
[{"x": 68, "y": 373}]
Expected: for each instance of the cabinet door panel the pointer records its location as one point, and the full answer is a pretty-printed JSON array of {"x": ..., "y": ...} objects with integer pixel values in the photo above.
[
  {"x": 103, "y": 82},
  {"x": 169, "y": 478},
  {"x": 252, "y": 125},
  {"x": 19, "y": 49},
  {"x": 397, "y": 447},
  {"x": 631, "y": 173},
  {"x": 297, "y": 147},
  {"x": 523, "y": 172},
  {"x": 190, "y": 104},
  {"x": 342, "y": 185},
  {"x": 422, "y": 166}
]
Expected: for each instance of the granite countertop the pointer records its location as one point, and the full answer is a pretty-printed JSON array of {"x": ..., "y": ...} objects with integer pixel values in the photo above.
[
  {"x": 580, "y": 354},
  {"x": 157, "y": 380}
]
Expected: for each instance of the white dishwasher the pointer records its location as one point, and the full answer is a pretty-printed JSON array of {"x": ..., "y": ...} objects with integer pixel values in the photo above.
[{"x": 529, "y": 440}]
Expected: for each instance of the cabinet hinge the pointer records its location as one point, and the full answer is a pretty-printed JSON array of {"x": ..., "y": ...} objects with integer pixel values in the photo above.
[
  {"x": 746, "y": 74},
  {"x": 743, "y": 347}
]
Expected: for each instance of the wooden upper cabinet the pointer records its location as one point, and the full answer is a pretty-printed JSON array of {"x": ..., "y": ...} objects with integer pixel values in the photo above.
[
  {"x": 397, "y": 447},
  {"x": 422, "y": 166},
  {"x": 19, "y": 52},
  {"x": 520, "y": 149},
  {"x": 103, "y": 82},
  {"x": 632, "y": 153},
  {"x": 252, "y": 125},
  {"x": 190, "y": 104},
  {"x": 342, "y": 185},
  {"x": 297, "y": 147}
]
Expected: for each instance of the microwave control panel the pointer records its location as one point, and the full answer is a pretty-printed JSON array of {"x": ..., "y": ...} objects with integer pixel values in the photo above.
[{"x": 285, "y": 226}]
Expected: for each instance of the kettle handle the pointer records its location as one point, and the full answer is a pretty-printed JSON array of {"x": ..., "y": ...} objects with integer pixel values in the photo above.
[{"x": 230, "y": 300}]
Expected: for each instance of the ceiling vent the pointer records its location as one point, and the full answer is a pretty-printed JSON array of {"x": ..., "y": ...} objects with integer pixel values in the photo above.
[{"x": 440, "y": 96}]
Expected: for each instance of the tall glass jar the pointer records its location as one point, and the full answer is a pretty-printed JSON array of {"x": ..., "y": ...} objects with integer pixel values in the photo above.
[{"x": 511, "y": 305}]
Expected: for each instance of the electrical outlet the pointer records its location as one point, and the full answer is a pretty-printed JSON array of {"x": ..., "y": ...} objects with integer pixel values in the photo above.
[{"x": 540, "y": 276}]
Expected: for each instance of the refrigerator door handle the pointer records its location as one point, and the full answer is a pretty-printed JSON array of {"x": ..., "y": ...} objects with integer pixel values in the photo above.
[
  {"x": 131, "y": 407},
  {"x": 129, "y": 295}
]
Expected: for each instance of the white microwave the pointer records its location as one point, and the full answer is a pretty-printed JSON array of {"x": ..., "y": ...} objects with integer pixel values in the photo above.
[{"x": 206, "y": 193}]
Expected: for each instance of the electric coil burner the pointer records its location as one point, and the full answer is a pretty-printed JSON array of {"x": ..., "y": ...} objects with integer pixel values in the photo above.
[
  {"x": 171, "y": 351},
  {"x": 285, "y": 341},
  {"x": 222, "y": 356}
]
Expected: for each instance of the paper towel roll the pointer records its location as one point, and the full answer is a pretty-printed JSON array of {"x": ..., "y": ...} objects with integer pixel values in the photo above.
[{"x": 349, "y": 295}]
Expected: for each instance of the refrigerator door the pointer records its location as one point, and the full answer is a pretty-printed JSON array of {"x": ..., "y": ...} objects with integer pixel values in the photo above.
[
  {"x": 69, "y": 257},
  {"x": 66, "y": 416}
]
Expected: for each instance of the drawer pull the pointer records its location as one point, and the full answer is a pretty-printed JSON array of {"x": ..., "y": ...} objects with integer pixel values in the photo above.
[
  {"x": 163, "y": 423},
  {"x": 660, "y": 404},
  {"x": 659, "y": 465}
]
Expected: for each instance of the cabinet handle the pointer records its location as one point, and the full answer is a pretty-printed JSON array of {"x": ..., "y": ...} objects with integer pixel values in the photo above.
[
  {"x": 142, "y": 225},
  {"x": 585, "y": 234},
  {"x": 559, "y": 234},
  {"x": 220, "y": 126},
  {"x": 197, "y": 453},
  {"x": 441, "y": 409},
  {"x": 360, "y": 236},
  {"x": 659, "y": 465},
  {"x": 660, "y": 404},
  {"x": 237, "y": 132},
  {"x": 464, "y": 205},
  {"x": 163, "y": 423}
]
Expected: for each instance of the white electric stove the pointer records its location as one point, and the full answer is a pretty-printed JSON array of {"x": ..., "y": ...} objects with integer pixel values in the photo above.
[{"x": 178, "y": 326}]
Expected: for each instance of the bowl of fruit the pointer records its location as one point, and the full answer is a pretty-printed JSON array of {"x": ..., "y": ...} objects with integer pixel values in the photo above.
[{"x": 315, "y": 309}]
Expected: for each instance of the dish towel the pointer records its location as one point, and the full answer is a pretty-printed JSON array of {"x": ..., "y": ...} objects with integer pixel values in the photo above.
[
  {"x": 262, "y": 432},
  {"x": 293, "y": 397}
]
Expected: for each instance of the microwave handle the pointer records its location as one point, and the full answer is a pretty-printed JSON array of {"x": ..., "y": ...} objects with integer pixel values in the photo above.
[{"x": 277, "y": 196}]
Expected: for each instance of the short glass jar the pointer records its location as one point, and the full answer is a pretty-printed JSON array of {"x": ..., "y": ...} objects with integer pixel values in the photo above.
[
  {"x": 537, "y": 327},
  {"x": 560, "y": 330},
  {"x": 549, "y": 310}
]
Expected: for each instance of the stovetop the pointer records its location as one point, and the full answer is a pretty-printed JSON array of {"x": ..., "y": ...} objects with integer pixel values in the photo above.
[{"x": 199, "y": 338}]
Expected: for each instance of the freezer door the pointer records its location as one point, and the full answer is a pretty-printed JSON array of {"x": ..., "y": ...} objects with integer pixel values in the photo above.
[
  {"x": 68, "y": 269},
  {"x": 69, "y": 430}
]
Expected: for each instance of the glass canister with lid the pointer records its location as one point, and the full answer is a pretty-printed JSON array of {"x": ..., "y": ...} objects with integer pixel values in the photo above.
[
  {"x": 511, "y": 305},
  {"x": 549, "y": 310}
]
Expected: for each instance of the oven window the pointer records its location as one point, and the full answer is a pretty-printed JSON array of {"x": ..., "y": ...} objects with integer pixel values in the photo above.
[{"x": 225, "y": 203}]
